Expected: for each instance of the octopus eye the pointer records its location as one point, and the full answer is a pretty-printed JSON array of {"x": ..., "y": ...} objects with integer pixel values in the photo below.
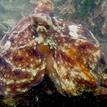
[{"x": 41, "y": 29}]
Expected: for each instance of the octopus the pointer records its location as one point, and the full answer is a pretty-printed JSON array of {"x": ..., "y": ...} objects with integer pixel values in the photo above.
[{"x": 39, "y": 45}]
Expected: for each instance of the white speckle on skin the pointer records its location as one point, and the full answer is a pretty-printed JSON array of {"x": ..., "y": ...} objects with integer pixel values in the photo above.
[
  {"x": 31, "y": 59},
  {"x": 11, "y": 58},
  {"x": 31, "y": 65},
  {"x": 7, "y": 46},
  {"x": 74, "y": 29},
  {"x": 8, "y": 89},
  {"x": 21, "y": 81},
  {"x": 39, "y": 39},
  {"x": 3, "y": 79},
  {"x": 74, "y": 32},
  {"x": 6, "y": 93},
  {"x": 10, "y": 82},
  {"x": 21, "y": 90}
]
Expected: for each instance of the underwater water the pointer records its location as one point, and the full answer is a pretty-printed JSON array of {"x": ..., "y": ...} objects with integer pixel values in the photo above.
[{"x": 84, "y": 12}]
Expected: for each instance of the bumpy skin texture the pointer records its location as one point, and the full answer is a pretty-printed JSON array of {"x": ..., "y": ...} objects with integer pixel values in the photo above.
[
  {"x": 21, "y": 64},
  {"x": 40, "y": 45}
]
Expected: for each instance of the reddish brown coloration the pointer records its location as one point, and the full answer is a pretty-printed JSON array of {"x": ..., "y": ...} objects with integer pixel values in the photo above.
[{"x": 38, "y": 46}]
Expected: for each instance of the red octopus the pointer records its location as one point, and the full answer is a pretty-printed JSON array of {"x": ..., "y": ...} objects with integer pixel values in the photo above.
[{"x": 41, "y": 44}]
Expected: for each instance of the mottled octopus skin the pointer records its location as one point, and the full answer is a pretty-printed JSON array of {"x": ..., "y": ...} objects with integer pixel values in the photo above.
[
  {"x": 38, "y": 46},
  {"x": 22, "y": 65}
]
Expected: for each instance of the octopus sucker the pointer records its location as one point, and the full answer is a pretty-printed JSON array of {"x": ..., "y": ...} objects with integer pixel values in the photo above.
[{"x": 40, "y": 45}]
